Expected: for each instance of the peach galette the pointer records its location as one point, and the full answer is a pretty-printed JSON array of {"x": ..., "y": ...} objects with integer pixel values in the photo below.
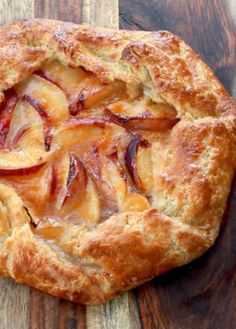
[{"x": 117, "y": 152}]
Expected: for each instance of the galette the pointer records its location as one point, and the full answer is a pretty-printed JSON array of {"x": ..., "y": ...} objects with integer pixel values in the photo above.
[{"x": 117, "y": 153}]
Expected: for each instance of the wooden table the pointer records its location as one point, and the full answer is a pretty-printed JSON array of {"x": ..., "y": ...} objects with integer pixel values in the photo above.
[{"x": 201, "y": 295}]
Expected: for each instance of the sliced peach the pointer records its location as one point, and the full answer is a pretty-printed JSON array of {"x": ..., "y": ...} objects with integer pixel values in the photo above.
[
  {"x": 70, "y": 181},
  {"x": 25, "y": 116},
  {"x": 92, "y": 162},
  {"x": 9, "y": 102},
  {"x": 82, "y": 88},
  {"x": 22, "y": 161},
  {"x": 139, "y": 164},
  {"x": 152, "y": 124},
  {"x": 131, "y": 155},
  {"x": 88, "y": 208},
  {"x": 113, "y": 184},
  {"x": 89, "y": 121},
  {"x": 144, "y": 168},
  {"x": 77, "y": 138},
  {"x": 20, "y": 171},
  {"x": 61, "y": 172},
  {"x": 123, "y": 108},
  {"x": 29, "y": 151},
  {"x": 95, "y": 91},
  {"x": 97, "y": 171},
  {"x": 142, "y": 114},
  {"x": 67, "y": 78},
  {"x": 80, "y": 134},
  {"x": 77, "y": 197},
  {"x": 76, "y": 181},
  {"x": 50, "y": 97},
  {"x": 32, "y": 187},
  {"x": 135, "y": 202},
  {"x": 6, "y": 109},
  {"x": 143, "y": 123},
  {"x": 142, "y": 107},
  {"x": 114, "y": 174},
  {"x": 50, "y": 228},
  {"x": 45, "y": 118},
  {"x": 22, "y": 130}
]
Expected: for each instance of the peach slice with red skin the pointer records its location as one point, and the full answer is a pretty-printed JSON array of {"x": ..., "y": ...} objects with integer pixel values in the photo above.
[
  {"x": 21, "y": 131},
  {"x": 94, "y": 165},
  {"x": 25, "y": 139},
  {"x": 130, "y": 157},
  {"x": 126, "y": 199},
  {"x": 74, "y": 192},
  {"x": 60, "y": 177},
  {"x": 68, "y": 79},
  {"x": 79, "y": 134},
  {"x": 6, "y": 109},
  {"x": 114, "y": 173},
  {"x": 144, "y": 115},
  {"x": 42, "y": 74},
  {"x": 95, "y": 169},
  {"x": 85, "y": 208},
  {"x": 143, "y": 123},
  {"x": 83, "y": 89},
  {"x": 45, "y": 118},
  {"x": 26, "y": 128},
  {"x": 77, "y": 178},
  {"x": 95, "y": 92},
  {"x": 48, "y": 227},
  {"x": 31, "y": 184},
  {"x": 69, "y": 182},
  {"x": 114, "y": 186},
  {"x": 51, "y": 98},
  {"x": 20, "y": 171},
  {"x": 143, "y": 169}
]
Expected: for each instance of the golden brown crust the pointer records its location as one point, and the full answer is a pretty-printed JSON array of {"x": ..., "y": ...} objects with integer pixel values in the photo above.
[{"x": 192, "y": 178}]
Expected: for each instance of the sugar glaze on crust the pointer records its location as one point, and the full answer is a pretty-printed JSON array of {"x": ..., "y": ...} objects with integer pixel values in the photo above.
[{"x": 193, "y": 165}]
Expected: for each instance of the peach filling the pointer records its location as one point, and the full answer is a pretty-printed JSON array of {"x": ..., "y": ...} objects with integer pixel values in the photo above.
[{"x": 76, "y": 149}]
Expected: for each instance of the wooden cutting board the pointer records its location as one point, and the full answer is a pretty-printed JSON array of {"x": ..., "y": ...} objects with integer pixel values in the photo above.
[{"x": 201, "y": 294}]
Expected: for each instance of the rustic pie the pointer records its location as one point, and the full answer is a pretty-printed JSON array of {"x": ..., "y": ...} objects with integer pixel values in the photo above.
[{"x": 117, "y": 153}]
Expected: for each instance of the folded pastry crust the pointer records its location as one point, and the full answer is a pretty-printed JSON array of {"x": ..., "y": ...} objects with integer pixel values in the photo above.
[{"x": 193, "y": 166}]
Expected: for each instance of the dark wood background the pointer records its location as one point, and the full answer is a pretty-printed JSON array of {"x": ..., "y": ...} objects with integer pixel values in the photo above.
[{"x": 201, "y": 295}]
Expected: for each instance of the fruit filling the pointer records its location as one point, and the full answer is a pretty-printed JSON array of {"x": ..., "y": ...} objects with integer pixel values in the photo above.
[{"x": 78, "y": 150}]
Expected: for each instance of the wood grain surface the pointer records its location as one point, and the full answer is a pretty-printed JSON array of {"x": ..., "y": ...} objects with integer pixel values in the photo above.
[{"x": 201, "y": 294}]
